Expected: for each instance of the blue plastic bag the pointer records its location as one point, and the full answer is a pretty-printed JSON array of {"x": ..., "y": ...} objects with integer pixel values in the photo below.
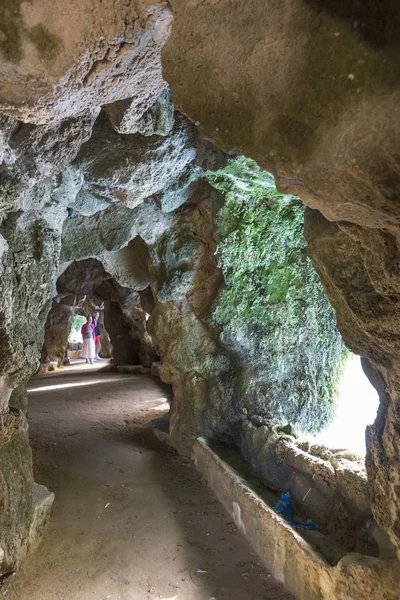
[{"x": 284, "y": 507}]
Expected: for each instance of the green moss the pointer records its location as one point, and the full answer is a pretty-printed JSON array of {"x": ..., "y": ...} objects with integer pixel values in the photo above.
[
  {"x": 273, "y": 310},
  {"x": 47, "y": 44},
  {"x": 76, "y": 326}
]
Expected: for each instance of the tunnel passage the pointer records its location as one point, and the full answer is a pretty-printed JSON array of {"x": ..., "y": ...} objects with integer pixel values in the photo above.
[
  {"x": 86, "y": 285},
  {"x": 309, "y": 91}
]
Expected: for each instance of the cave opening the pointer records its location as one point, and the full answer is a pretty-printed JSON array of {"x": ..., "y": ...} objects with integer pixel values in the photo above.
[
  {"x": 85, "y": 288},
  {"x": 273, "y": 312},
  {"x": 356, "y": 408},
  {"x": 302, "y": 396},
  {"x": 75, "y": 335}
]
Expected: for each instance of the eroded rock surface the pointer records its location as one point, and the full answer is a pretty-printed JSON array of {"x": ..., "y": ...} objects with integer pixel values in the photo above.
[
  {"x": 59, "y": 61},
  {"x": 326, "y": 127},
  {"x": 358, "y": 267}
]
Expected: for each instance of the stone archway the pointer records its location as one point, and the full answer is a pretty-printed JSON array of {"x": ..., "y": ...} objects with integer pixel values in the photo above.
[{"x": 124, "y": 319}]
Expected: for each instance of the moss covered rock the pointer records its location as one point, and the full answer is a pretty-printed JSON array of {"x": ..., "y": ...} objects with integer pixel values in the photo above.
[{"x": 277, "y": 322}]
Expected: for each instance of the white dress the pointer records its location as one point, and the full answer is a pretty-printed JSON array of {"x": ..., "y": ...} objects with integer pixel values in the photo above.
[{"x": 88, "y": 348}]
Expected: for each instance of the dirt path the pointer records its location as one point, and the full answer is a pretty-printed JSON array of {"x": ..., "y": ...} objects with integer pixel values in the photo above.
[{"x": 131, "y": 520}]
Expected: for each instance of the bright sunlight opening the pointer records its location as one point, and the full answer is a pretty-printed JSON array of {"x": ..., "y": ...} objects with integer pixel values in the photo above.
[{"x": 357, "y": 406}]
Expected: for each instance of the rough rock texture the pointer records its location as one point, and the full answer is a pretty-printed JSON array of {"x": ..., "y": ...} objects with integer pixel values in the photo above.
[
  {"x": 106, "y": 345},
  {"x": 57, "y": 330},
  {"x": 40, "y": 151},
  {"x": 30, "y": 247},
  {"x": 328, "y": 128},
  {"x": 157, "y": 120},
  {"x": 322, "y": 115},
  {"x": 42, "y": 504},
  {"x": 187, "y": 282},
  {"x": 359, "y": 269},
  {"x": 29, "y": 254},
  {"x": 16, "y": 479},
  {"x": 130, "y": 265},
  {"x": 131, "y": 168},
  {"x": 334, "y": 492},
  {"x": 153, "y": 165},
  {"x": 111, "y": 230},
  {"x": 59, "y": 60}
]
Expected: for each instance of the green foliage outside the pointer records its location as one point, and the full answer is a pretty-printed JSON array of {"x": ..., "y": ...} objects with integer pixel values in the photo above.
[
  {"x": 273, "y": 310},
  {"x": 76, "y": 326}
]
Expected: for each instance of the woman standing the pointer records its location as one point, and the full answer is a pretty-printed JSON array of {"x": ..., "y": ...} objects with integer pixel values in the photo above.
[{"x": 88, "y": 349}]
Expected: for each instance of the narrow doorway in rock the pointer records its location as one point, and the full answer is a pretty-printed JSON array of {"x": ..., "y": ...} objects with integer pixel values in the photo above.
[{"x": 75, "y": 336}]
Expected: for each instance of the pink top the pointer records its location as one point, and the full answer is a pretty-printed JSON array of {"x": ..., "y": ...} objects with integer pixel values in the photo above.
[{"x": 85, "y": 326}]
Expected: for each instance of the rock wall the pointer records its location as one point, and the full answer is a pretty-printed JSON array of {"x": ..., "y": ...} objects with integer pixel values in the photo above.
[
  {"x": 61, "y": 60},
  {"x": 311, "y": 91},
  {"x": 121, "y": 209},
  {"x": 358, "y": 268},
  {"x": 30, "y": 246},
  {"x": 328, "y": 486},
  {"x": 187, "y": 282},
  {"x": 57, "y": 330}
]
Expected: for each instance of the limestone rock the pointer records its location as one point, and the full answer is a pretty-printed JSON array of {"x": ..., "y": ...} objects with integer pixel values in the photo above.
[
  {"x": 192, "y": 360},
  {"x": 29, "y": 253},
  {"x": 130, "y": 265},
  {"x": 81, "y": 278},
  {"x": 332, "y": 139},
  {"x": 58, "y": 325},
  {"x": 157, "y": 120},
  {"x": 59, "y": 61},
  {"x": 7, "y": 127},
  {"x": 106, "y": 345},
  {"x": 357, "y": 268},
  {"x": 42, "y": 504},
  {"x": 16, "y": 481},
  {"x": 43, "y": 150},
  {"x": 353, "y": 485},
  {"x": 131, "y": 168},
  {"x": 184, "y": 261},
  {"x": 19, "y": 399},
  {"x": 111, "y": 230}
]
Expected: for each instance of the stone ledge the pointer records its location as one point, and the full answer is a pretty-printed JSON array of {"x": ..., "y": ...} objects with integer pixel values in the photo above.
[
  {"x": 285, "y": 553},
  {"x": 339, "y": 499},
  {"x": 42, "y": 503}
]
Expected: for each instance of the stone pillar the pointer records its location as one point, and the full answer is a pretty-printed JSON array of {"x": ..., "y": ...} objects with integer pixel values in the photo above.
[
  {"x": 106, "y": 345},
  {"x": 57, "y": 330}
]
